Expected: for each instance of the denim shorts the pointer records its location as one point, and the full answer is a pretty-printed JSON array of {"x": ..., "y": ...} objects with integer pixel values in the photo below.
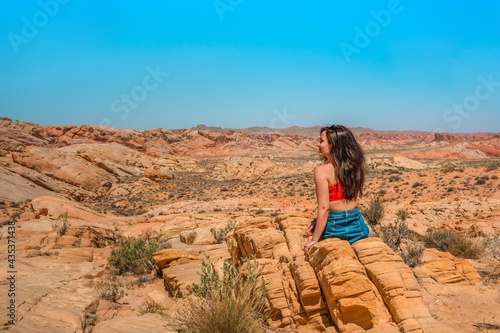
[{"x": 348, "y": 225}]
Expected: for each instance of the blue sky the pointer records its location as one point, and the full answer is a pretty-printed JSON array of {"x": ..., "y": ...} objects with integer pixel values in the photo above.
[{"x": 387, "y": 65}]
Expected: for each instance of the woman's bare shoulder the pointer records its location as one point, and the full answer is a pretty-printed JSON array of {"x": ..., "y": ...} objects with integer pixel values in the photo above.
[
  {"x": 325, "y": 167},
  {"x": 322, "y": 169}
]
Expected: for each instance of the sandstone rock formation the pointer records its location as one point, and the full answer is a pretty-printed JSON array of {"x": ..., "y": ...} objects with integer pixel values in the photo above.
[
  {"x": 54, "y": 302},
  {"x": 364, "y": 287},
  {"x": 52, "y": 174},
  {"x": 153, "y": 323},
  {"x": 92, "y": 161},
  {"x": 397, "y": 162},
  {"x": 259, "y": 167},
  {"x": 79, "y": 171},
  {"x": 445, "y": 268}
]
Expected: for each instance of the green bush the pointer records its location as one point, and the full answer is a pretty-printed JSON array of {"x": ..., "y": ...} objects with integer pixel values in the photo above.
[
  {"x": 456, "y": 244},
  {"x": 402, "y": 214},
  {"x": 110, "y": 291},
  {"x": 480, "y": 181},
  {"x": 63, "y": 227},
  {"x": 221, "y": 233},
  {"x": 375, "y": 211},
  {"x": 229, "y": 304},
  {"x": 133, "y": 255}
]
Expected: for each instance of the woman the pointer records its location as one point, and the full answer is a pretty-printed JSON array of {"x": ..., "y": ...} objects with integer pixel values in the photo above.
[{"x": 339, "y": 182}]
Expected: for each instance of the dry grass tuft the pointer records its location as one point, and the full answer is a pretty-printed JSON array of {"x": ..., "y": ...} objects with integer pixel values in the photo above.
[
  {"x": 150, "y": 306},
  {"x": 456, "y": 244},
  {"x": 228, "y": 304},
  {"x": 374, "y": 212}
]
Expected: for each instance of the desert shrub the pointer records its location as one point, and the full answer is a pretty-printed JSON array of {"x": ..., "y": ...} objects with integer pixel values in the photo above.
[
  {"x": 260, "y": 210},
  {"x": 147, "y": 235},
  {"x": 109, "y": 291},
  {"x": 402, "y": 214},
  {"x": 140, "y": 212},
  {"x": 133, "y": 255},
  {"x": 402, "y": 242},
  {"x": 62, "y": 227},
  {"x": 15, "y": 204},
  {"x": 374, "y": 212},
  {"x": 492, "y": 243},
  {"x": 221, "y": 233},
  {"x": 15, "y": 215},
  {"x": 456, "y": 244},
  {"x": 124, "y": 211},
  {"x": 485, "y": 327},
  {"x": 492, "y": 166},
  {"x": 398, "y": 237},
  {"x": 395, "y": 179},
  {"x": 494, "y": 177},
  {"x": 480, "y": 181},
  {"x": 448, "y": 168},
  {"x": 416, "y": 184},
  {"x": 452, "y": 167},
  {"x": 412, "y": 253},
  {"x": 393, "y": 235},
  {"x": 150, "y": 306},
  {"x": 228, "y": 304}
]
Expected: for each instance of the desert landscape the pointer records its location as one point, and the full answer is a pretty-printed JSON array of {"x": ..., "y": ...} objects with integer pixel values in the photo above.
[{"x": 70, "y": 196}]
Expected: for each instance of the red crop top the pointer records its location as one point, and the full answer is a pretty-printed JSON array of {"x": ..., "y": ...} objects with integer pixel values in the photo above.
[{"x": 335, "y": 191}]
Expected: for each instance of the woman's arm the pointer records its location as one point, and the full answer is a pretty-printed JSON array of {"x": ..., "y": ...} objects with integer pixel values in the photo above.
[{"x": 320, "y": 179}]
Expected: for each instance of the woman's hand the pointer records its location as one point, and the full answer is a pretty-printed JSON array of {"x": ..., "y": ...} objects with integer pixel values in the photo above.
[
  {"x": 311, "y": 226},
  {"x": 306, "y": 248}
]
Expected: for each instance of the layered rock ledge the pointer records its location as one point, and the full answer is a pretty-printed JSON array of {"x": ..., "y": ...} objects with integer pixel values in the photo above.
[{"x": 365, "y": 287}]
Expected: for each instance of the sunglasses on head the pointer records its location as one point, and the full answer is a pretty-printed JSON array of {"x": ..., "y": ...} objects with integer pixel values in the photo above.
[{"x": 333, "y": 128}]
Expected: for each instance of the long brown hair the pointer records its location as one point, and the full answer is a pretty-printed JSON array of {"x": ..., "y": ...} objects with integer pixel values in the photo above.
[{"x": 348, "y": 160}]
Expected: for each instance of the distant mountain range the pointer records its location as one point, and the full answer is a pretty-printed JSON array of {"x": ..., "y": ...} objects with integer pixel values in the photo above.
[
  {"x": 21, "y": 136},
  {"x": 303, "y": 131}
]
